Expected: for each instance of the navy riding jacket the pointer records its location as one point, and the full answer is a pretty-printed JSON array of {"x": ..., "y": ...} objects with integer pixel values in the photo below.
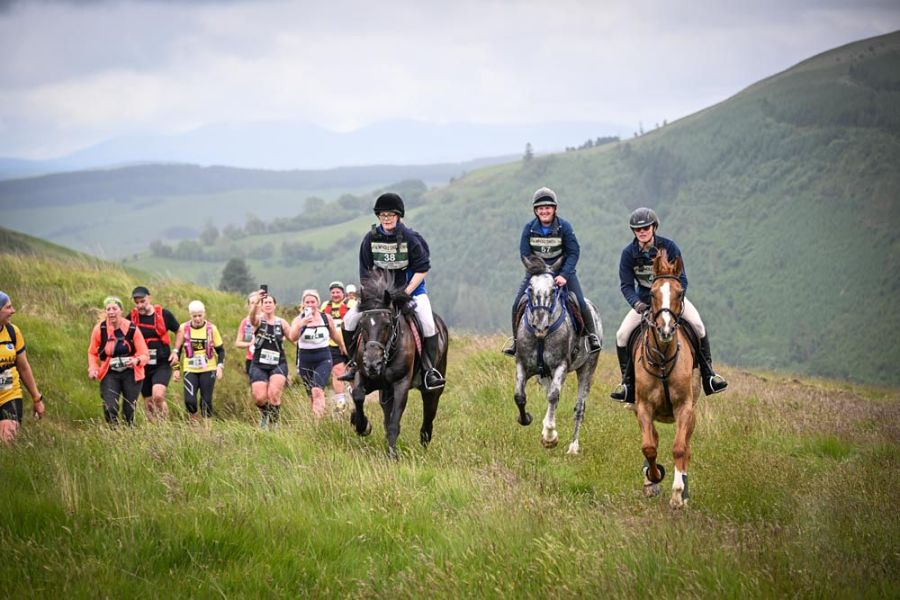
[
  {"x": 635, "y": 267},
  {"x": 570, "y": 247},
  {"x": 419, "y": 255}
]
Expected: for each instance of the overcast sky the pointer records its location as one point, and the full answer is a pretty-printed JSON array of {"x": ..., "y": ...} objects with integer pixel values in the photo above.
[{"x": 74, "y": 73}]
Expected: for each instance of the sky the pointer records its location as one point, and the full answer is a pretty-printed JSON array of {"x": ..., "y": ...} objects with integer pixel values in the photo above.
[{"x": 76, "y": 73}]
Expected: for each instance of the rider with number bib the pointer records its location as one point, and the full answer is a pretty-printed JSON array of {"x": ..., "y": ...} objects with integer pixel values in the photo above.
[
  {"x": 404, "y": 254},
  {"x": 550, "y": 237},
  {"x": 636, "y": 278}
]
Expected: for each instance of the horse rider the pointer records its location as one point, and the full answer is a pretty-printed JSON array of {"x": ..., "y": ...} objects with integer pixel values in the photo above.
[
  {"x": 635, "y": 277},
  {"x": 550, "y": 237},
  {"x": 404, "y": 254}
]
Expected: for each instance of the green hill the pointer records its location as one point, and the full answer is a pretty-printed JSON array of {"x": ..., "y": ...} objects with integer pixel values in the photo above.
[{"x": 788, "y": 483}]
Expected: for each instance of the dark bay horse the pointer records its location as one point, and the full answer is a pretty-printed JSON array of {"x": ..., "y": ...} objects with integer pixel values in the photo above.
[
  {"x": 665, "y": 385},
  {"x": 385, "y": 353},
  {"x": 548, "y": 346}
]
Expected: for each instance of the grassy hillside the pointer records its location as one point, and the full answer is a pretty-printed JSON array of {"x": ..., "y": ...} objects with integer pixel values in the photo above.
[
  {"x": 785, "y": 200},
  {"x": 788, "y": 484}
]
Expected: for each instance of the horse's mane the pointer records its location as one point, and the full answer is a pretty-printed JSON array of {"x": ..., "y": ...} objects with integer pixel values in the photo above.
[{"x": 378, "y": 291}]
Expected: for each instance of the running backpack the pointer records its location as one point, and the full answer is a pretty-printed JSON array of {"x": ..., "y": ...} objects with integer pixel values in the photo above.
[{"x": 104, "y": 337}]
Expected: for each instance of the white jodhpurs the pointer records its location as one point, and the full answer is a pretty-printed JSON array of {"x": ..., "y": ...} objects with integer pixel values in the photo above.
[
  {"x": 633, "y": 320},
  {"x": 423, "y": 313}
]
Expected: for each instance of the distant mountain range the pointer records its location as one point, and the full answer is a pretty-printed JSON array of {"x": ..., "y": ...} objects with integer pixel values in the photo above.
[{"x": 294, "y": 145}]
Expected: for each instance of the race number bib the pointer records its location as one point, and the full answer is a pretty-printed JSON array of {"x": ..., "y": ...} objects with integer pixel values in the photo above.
[
  {"x": 6, "y": 382},
  {"x": 197, "y": 362},
  {"x": 152, "y": 360},
  {"x": 269, "y": 357},
  {"x": 388, "y": 255},
  {"x": 119, "y": 363}
]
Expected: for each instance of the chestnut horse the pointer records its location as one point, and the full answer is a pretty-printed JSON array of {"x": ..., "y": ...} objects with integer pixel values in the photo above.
[{"x": 665, "y": 385}]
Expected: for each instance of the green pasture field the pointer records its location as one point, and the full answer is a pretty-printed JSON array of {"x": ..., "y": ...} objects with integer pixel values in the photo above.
[{"x": 791, "y": 492}]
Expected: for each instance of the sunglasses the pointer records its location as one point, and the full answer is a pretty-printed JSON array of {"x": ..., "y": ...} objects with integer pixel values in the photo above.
[{"x": 644, "y": 228}]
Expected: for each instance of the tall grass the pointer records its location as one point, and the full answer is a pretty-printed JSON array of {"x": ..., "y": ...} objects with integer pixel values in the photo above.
[{"x": 790, "y": 484}]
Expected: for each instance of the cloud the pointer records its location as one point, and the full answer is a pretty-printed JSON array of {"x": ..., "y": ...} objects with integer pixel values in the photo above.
[{"x": 82, "y": 71}]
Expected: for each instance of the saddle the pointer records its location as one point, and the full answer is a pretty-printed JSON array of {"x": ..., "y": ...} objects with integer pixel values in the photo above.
[{"x": 571, "y": 306}]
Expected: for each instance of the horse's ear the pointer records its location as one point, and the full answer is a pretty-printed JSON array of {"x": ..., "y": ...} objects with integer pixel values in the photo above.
[
  {"x": 677, "y": 266},
  {"x": 660, "y": 261},
  {"x": 387, "y": 298},
  {"x": 556, "y": 265}
]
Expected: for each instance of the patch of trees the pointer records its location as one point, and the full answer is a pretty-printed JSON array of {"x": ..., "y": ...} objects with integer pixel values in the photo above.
[{"x": 600, "y": 141}]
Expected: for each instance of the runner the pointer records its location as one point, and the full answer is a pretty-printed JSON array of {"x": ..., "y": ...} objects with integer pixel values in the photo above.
[
  {"x": 269, "y": 370},
  {"x": 155, "y": 323},
  {"x": 336, "y": 308},
  {"x": 203, "y": 361},
  {"x": 244, "y": 338},
  {"x": 14, "y": 370},
  {"x": 117, "y": 355},
  {"x": 311, "y": 330},
  {"x": 351, "y": 296}
]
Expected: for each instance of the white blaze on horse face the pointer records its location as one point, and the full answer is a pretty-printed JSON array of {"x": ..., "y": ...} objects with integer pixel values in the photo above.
[
  {"x": 666, "y": 292},
  {"x": 372, "y": 321}
]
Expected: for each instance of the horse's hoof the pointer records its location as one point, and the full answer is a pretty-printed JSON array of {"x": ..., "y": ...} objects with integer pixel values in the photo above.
[
  {"x": 552, "y": 442},
  {"x": 526, "y": 420},
  {"x": 393, "y": 454},
  {"x": 651, "y": 490},
  {"x": 368, "y": 430},
  {"x": 677, "y": 501},
  {"x": 424, "y": 438},
  {"x": 573, "y": 449}
]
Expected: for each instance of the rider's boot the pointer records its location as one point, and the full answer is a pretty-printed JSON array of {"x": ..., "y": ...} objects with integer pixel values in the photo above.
[
  {"x": 625, "y": 390},
  {"x": 590, "y": 329},
  {"x": 713, "y": 383},
  {"x": 350, "y": 373},
  {"x": 511, "y": 351},
  {"x": 431, "y": 377}
]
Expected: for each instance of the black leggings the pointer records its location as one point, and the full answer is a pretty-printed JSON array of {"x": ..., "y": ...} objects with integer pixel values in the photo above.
[
  {"x": 113, "y": 385},
  {"x": 201, "y": 384}
]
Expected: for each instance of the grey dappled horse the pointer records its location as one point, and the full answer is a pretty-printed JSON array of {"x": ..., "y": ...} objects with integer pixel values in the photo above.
[{"x": 548, "y": 346}]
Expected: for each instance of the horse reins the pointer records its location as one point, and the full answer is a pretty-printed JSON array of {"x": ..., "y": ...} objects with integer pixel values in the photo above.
[
  {"x": 652, "y": 355},
  {"x": 387, "y": 349}
]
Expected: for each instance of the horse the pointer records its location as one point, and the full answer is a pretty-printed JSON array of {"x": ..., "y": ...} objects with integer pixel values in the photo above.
[
  {"x": 665, "y": 385},
  {"x": 385, "y": 352},
  {"x": 548, "y": 346}
]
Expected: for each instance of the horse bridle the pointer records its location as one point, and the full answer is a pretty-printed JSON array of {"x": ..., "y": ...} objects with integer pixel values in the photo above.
[
  {"x": 654, "y": 356},
  {"x": 387, "y": 349},
  {"x": 531, "y": 308}
]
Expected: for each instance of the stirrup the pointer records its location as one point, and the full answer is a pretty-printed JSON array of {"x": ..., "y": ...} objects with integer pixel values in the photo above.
[
  {"x": 620, "y": 393},
  {"x": 594, "y": 343},
  {"x": 714, "y": 384},
  {"x": 510, "y": 350},
  {"x": 433, "y": 380}
]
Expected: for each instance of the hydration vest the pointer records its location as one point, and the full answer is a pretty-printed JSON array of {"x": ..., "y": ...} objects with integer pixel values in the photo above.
[
  {"x": 549, "y": 246},
  {"x": 159, "y": 325},
  {"x": 189, "y": 341},
  {"x": 128, "y": 339},
  {"x": 389, "y": 252},
  {"x": 269, "y": 342}
]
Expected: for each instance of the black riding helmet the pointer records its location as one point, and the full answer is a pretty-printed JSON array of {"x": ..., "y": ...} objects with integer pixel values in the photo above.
[
  {"x": 389, "y": 202},
  {"x": 641, "y": 217},
  {"x": 544, "y": 197}
]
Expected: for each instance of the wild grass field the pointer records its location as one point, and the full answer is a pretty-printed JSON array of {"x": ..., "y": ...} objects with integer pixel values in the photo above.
[{"x": 791, "y": 492}]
